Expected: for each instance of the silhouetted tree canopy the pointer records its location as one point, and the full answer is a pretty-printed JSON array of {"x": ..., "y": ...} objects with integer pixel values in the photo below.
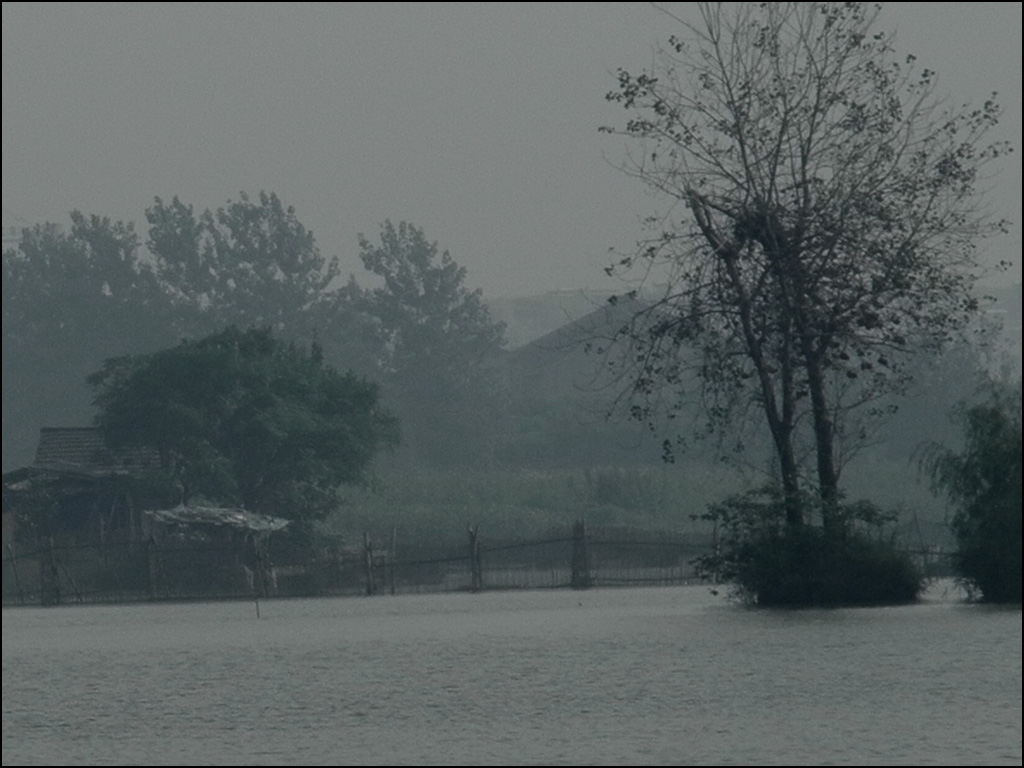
[
  {"x": 242, "y": 418},
  {"x": 822, "y": 225}
]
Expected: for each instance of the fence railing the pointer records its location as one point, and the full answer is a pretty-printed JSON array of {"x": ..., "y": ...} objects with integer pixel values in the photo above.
[{"x": 50, "y": 572}]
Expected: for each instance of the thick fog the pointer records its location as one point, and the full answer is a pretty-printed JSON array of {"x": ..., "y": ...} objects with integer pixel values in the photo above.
[
  {"x": 384, "y": 231},
  {"x": 477, "y": 122}
]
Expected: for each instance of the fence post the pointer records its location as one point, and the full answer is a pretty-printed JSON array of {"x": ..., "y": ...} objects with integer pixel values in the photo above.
[
  {"x": 475, "y": 563},
  {"x": 151, "y": 573},
  {"x": 580, "y": 558},
  {"x": 14, "y": 569},
  {"x": 392, "y": 558},
  {"x": 368, "y": 563},
  {"x": 49, "y": 577},
  {"x": 336, "y": 572}
]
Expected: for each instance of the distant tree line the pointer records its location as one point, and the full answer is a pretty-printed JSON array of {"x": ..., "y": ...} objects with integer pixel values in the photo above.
[{"x": 75, "y": 297}]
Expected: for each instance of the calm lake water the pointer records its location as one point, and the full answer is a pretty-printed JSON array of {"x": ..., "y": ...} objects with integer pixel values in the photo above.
[{"x": 670, "y": 675}]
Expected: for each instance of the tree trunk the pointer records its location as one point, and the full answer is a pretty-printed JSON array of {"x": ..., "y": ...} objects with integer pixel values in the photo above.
[
  {"x": 780, "y": 419},
  {"x": 824, "y": 435}
]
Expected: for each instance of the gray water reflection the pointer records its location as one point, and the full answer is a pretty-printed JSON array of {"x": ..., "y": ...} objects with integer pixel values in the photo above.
[{"x": 634, "y": 676}]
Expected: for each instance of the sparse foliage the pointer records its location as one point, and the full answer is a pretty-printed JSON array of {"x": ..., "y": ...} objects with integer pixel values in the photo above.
[{"x": 823, "y": 224}]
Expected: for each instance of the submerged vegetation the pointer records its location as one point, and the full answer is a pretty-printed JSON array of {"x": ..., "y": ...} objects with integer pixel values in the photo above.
[{"x": 771, "y": 563}]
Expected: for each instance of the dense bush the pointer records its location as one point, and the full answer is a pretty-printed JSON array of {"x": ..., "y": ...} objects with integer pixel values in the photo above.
[
  {"x": 771, "y": 563},
  {"x": 984, "y": 480}
]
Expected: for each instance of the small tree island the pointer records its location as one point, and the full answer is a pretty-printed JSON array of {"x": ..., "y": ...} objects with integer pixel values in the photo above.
[{"x": 821, "y": 231}]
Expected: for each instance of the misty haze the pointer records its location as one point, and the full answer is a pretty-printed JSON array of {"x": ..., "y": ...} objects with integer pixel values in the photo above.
[{"x": 511, "y": 384}]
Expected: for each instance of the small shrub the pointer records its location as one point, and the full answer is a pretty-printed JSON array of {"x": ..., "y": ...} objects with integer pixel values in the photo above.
[
  {"x": 984, "y": 480},
  {"x": 770, "y": 563}
]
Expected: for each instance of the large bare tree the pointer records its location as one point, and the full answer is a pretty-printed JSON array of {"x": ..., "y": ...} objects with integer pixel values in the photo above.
[{"x": 824, "y": 220}]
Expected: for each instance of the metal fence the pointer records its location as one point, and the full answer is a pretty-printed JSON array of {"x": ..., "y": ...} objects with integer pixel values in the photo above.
[{"x": 51, "y": 572}]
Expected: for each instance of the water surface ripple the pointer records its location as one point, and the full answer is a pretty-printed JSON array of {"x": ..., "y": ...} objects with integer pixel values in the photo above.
[{"x": 668, "y": 675}]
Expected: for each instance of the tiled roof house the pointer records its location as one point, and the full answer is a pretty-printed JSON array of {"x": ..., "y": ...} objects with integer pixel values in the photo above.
[
  {"x": 83, "y": 478},
  {"x": 81, "y": 450}
]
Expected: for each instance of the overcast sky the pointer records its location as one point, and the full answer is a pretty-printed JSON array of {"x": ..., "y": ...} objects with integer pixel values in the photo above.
[{"x": 477, "y": 122}]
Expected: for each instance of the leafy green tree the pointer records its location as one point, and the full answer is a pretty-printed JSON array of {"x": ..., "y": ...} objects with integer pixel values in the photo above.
[
  {"x": 984, "y": 480},
  {"x": 71, "y": 298},
  {"x": 823, "y": 225},
  {"x": 432, "y": 343},
  {"x": 249, "y": 263},
  {"x": 239, "y": 417}
]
